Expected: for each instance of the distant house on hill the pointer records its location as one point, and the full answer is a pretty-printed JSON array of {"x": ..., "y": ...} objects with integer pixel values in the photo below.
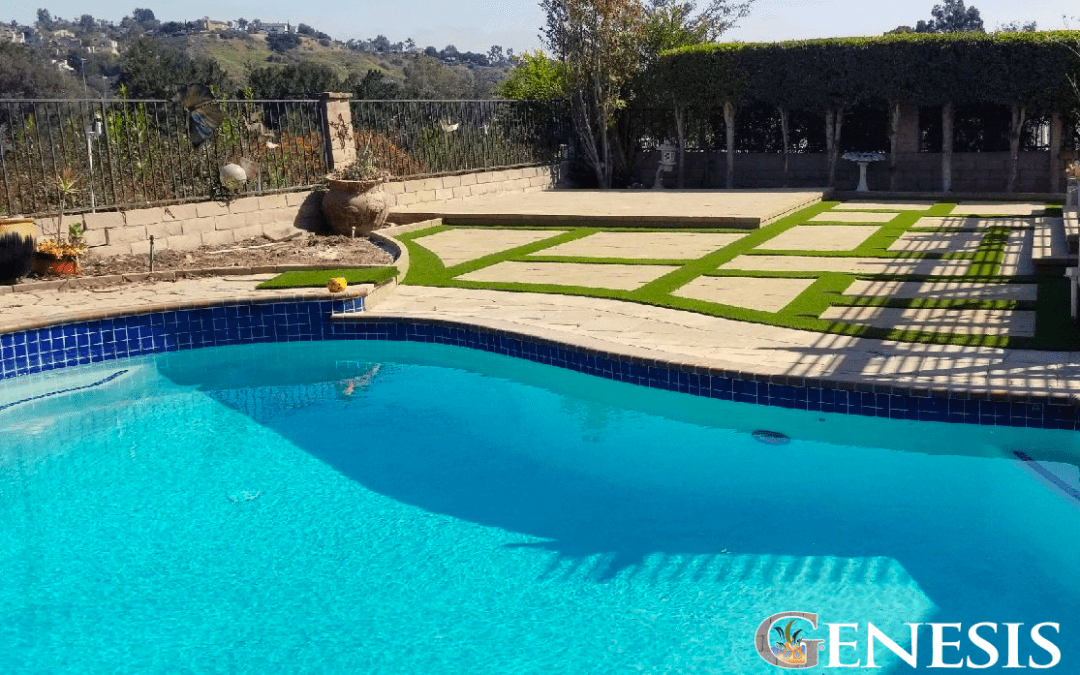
[
  {"x": 278, "y": 28},
  {"x": 9, "y": 34},
  {"x": 211, "y": 26},
  {"x": 62, "y": 33},
  {"x": 103, "y": 45}
]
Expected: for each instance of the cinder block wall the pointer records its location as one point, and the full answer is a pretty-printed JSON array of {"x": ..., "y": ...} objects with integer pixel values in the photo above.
[
  {"x": 461, "y": 186},
  {"x": 188, "y": 226}
]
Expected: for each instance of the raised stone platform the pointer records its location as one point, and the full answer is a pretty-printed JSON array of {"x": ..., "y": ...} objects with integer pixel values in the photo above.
[{"x": 740, "y": 209}]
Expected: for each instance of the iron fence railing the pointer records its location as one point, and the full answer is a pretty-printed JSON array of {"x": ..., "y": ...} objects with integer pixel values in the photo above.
[
  {"x": 422, "y": 138},
  {"x": 131, "y": 153}
]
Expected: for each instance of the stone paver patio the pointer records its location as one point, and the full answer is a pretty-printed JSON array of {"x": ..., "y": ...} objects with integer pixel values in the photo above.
[
  {"x": 820, "y": 238},
  {"x": 643, "y": 245},
  {"x": 998, "y": 208},
  {"x": 858, "y": 205},
  {"x": 624, "y": 208},
  {"x": 938, "y": 242},
  {"x": 459, "y": 245},
  {"x": 766, "y": 295},
  {"x": 619, "y": 277},
  {"x": 962, "y": 321},
  {"x": 791, "y": 263},
  {"x": 954, "y": 290},
  {"x": 680, "y": 337},
  {"x": 851, "y": 217}
]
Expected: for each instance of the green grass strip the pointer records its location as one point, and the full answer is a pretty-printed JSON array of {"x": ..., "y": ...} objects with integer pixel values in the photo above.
[
  {"x": 818, "y": 297},
  {"x": 991, "y": 253},
  {"x": 1054, "y": 326},
  {"x": 318, "y": 278}
]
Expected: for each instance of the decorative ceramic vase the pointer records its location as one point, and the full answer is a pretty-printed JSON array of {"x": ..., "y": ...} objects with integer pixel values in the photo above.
[
  {"x": 50, "y": 264},
  {"x": 358, "y": 204},
  {"x": 17, "y": 246}
]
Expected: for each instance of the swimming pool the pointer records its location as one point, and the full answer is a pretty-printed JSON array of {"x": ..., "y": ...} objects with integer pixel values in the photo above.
[{"x": 377, "y": 507}]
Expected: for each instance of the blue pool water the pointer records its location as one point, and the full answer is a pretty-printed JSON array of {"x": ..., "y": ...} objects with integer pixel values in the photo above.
[{"x": 368, "y": 507}]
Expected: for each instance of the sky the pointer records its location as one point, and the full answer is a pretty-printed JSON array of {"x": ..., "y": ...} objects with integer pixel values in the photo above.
[{"x": 476, "y": 25}]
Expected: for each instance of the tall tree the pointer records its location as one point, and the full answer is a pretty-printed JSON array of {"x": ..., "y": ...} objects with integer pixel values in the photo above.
[
  {"x": 679, "y": 23},
  {"x": 599, "y": 42},
  {"x": 302, "y": 80},
  {"x": 952, "y": 17},
  {"x": 535, "y": 77},
  {"x": 149, "y": 70},
  {"x": 427, "y": 78},
  {"x": 605, "y": 43},
  {"x": 45, "y": 20}
]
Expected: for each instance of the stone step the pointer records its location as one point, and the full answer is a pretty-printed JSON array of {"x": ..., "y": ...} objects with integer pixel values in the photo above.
[{"x": 1050, "y": 253}]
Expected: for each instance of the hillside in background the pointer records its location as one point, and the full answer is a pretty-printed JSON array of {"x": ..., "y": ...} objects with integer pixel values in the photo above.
[{"x": 151, "y": 59}]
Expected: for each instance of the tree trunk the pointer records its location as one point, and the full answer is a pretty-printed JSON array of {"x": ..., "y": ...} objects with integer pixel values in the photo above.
[
  {"x": 729, "y": 132},
  {"x": 1018, "y": 114},
  {"x": 584, "y": 132},
  {"x": 1056, "y": 134},
  {"x": 834, "y": 119},
  {"x": 785, "y": 137},
  {"x": 605, "y": 146},
  {"x": 894, "y": 142},
  {"x": 946, "y": 146},
  {"x": 681, "y": 140}
]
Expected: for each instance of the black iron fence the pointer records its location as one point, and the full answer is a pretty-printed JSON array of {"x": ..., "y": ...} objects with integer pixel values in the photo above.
[
  {"x": 88, "y": 155},
  {"x": 84, "y": 155},
  {"x": 419, "y": 138}
]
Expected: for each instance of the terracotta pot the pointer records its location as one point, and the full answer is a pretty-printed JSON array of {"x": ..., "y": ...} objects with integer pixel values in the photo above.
[
  {"x": 17, "y": 246},
  {"x": 48, "y": 264},
  {"x": 358, "y": 204}
]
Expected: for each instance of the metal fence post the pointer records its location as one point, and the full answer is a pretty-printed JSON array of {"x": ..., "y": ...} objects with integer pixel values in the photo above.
[{"x": 338, "y": 130}]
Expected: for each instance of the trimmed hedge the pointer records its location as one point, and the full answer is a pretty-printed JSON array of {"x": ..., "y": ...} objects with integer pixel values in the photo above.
[{"x": 1030, "y": 69}]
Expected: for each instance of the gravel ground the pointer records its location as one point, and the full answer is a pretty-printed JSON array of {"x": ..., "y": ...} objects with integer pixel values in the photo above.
[{"x": 332, "y": 250}]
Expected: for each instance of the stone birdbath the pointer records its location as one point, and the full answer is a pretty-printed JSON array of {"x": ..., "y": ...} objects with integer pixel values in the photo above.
[
  {"x": 863, "y": 159},
  {"x": 667, "y": 162}
]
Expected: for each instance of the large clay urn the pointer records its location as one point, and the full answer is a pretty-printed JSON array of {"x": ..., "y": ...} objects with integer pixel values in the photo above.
[
  {"x": 17, "y": 246},
  {"x": 358, "y": 204}
]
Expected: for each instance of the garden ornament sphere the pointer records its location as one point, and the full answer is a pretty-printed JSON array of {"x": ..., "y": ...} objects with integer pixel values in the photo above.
[{"x": 233, "y": 176}]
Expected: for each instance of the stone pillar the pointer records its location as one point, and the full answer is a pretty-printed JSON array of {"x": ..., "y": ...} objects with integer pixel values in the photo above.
[
  {"x": 907, "y": 137},
  {"x": 337, "y": 130},
  {"x": 1057, "y": 128}
]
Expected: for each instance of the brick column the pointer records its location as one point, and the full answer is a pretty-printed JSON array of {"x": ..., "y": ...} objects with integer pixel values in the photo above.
[
  {"x": 1057, "y": 167},
  {"x": 337, "y": 130}
]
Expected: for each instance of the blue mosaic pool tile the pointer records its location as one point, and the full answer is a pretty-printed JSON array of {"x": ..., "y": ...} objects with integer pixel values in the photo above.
[
  {"x": 744, "y": 391},
  {"x": 27, "y": 352}
]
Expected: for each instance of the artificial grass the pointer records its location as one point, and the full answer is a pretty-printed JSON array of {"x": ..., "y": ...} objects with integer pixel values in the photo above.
[
  {"x": 318, "y": 278},
  {"x": 804, "y": 311}
]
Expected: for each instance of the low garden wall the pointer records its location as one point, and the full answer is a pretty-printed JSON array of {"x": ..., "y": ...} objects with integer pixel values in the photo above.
[{"x": 188, "y": 226}]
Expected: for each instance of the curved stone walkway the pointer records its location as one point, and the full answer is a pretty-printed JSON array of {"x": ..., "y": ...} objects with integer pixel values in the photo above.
[{"x": 689, "y": 338}]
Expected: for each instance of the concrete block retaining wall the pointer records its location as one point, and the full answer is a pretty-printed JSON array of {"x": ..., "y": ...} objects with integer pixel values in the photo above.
[{"x": 188, "y": 226}]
